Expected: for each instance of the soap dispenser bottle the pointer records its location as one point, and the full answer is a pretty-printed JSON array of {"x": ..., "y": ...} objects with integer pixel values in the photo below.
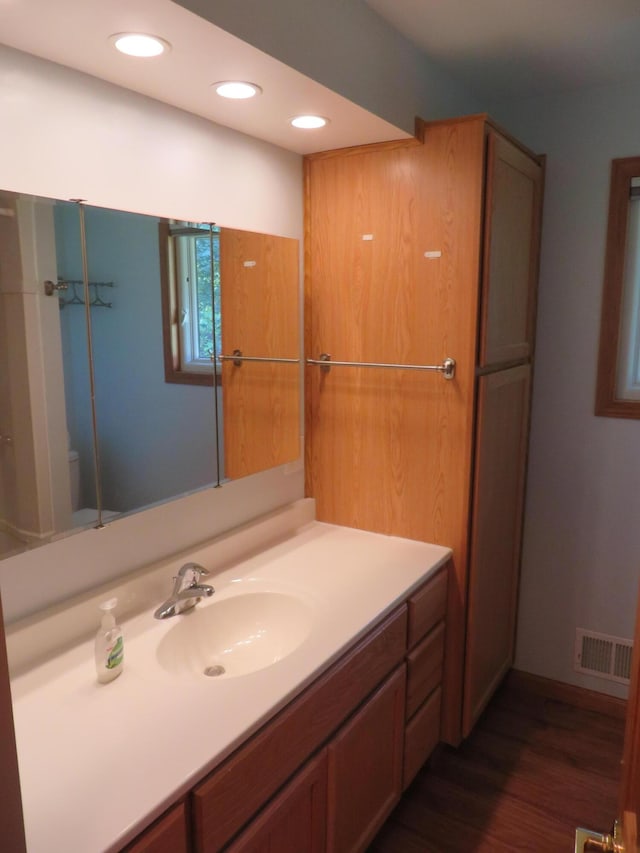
[{"x": 109, "y": 644}]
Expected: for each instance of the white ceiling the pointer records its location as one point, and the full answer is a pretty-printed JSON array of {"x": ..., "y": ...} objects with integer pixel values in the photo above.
[
  {"x": 75, "y": 33},
  {"x": 496, "y": 47},
  {"x": 524, "y": 47}
]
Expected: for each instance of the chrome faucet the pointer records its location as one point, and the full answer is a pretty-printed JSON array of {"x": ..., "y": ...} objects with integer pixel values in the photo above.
[{"x": 187, "y": 591}]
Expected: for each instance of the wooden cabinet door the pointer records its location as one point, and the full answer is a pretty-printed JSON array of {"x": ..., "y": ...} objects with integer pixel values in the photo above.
[
  {"x": 295, "y": 820},
  {"x": 365, "y": 768},
  {"x": 167, "y": 835},
  {"x": 503, "y": 418},
  {"x": 511, "y": 249}
]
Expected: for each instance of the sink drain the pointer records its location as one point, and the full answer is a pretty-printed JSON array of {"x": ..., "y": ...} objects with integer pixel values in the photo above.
[{"x": 213, "y": 671}]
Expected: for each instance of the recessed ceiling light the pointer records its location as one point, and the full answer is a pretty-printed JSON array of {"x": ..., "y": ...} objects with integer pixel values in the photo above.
[
  {"x": 139, "y": 44},
  {"x": 237, "y": 89},
  {"x": 309, "y": 122}
]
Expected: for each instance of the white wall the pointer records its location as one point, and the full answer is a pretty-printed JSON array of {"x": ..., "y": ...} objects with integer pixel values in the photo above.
[
  {"x": 348, "y": 47},
  {"x": 581, "y": 556},
  {"x": 68, "y": 135}
]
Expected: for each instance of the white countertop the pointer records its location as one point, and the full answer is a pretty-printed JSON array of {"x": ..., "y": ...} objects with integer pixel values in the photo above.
[{"x": 99, "y": 762}]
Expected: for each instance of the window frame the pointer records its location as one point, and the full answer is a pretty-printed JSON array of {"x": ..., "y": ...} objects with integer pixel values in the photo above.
[
  {"x": 175, "y": 369},
  {"x": 608, "y": 404}
]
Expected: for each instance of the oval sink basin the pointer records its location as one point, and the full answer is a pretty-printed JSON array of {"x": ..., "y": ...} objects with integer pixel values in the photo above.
[{"x": 236, "y": 636}]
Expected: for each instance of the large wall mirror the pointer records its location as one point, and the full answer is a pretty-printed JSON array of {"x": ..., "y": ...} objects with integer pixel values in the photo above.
[
  {"x": 618, "y": 385},
  {"x": 220, "y": 305}
]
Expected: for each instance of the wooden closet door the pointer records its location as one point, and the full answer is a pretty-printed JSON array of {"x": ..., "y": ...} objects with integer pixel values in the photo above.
[
  {"x": 259, "y": 288},
  {"x": 500, "y": 467},
  {"x": 511, "y": 250}
]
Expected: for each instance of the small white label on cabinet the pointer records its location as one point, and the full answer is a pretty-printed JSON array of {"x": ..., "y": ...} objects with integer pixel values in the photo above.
[
  {"x": 367, "y": 236},
  {"x": 434, "y": 254},
  {"x": 249, "y": 263}
]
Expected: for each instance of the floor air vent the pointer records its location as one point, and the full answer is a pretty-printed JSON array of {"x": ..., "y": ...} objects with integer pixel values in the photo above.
[{"x": 602, "y": 655}]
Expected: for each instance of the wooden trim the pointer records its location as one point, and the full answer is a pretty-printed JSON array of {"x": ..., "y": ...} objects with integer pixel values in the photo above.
[
  {"x": 11, "y": 820},
  {"x": 607, "y": 404},
  {"x": 570, "y": 694},
  {"x": 307, "y": 319},
  {"x": 172, "y": 370},
  {"x": 390, "y": 145},
  {"x": 421, "y": 126}
]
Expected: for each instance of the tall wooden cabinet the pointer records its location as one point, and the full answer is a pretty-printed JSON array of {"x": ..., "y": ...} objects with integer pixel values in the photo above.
[{"x": 416, "y": 251}]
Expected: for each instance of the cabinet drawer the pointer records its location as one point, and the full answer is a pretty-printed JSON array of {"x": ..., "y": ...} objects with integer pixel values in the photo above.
[
  {"x": 424, "y": 672},
  {"x": 167, "y": 835},
  {"x": 234, "y": 792},
  {"x": 427, "y": 607},
  {"x": 421, "y": 736}
]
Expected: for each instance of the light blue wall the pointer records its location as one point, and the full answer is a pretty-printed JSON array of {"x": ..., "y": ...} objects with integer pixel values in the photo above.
[
  {"x": 156, "y": 439},
  {"x": 349, "y": 48},
  {"x": 581, "y": 559}
]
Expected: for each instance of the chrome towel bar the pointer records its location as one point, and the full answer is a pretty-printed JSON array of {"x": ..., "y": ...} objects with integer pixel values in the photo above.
[
  {"x": 237, "y": 358},
  {"x": 447, "y": 368}
]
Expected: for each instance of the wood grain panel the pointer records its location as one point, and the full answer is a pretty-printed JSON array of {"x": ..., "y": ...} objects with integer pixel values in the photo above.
[
  {"x": 503, "y": 417},
  {"x": 259, "y": 276},
  {"x": 421, "y": 736},
  {"x": 391, "y": 451},
  {"x": 11, "y": 822},
  {"x": 365, "y": 769},
  {"x": 296, "y": 820},
  {"x": 424, "y": 669},
  {"x": 512, "y": 240},
  {"x": 167, "y": 835},
  {"x": 427, "y": 607},
  {"x": 224, "y": 802}
]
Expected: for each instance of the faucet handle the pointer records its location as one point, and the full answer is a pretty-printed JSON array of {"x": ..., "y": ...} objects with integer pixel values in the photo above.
[{"x": 197, "y": 570}]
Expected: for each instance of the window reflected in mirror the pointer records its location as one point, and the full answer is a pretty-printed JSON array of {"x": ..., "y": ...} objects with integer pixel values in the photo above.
[
  {"x": 190, "y": 277},
  {"x": 618, "y": 386}
]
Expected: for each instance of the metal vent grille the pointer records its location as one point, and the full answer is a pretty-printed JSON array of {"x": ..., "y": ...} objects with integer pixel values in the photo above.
[{"x": 602, "y": 655}]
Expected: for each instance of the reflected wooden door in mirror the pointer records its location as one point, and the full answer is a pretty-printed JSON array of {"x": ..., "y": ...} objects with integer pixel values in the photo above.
[
  {"x": 260, "y": 323},
  {"x": 618, "y": 386}
]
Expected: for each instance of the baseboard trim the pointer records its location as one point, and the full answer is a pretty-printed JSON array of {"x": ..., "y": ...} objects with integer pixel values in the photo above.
[{"x": 579, "y": 697}]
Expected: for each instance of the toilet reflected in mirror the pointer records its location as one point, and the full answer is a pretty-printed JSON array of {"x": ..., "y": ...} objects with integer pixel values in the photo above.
[{"x": 81, "y": 515}]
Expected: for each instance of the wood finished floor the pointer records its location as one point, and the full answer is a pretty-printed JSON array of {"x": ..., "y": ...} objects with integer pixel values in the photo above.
[{"x": 532, "y": 771}]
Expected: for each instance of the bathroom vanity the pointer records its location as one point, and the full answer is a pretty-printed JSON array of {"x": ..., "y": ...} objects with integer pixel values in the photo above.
[{"x": 166, "y": 758}]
